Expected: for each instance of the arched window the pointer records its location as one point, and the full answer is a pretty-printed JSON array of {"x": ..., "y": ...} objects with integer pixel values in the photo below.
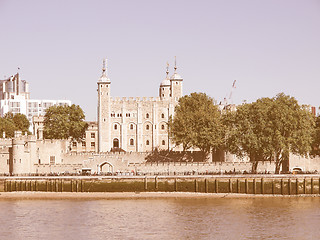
[
  {"x": 162, "y": 127},
  {"x": 131, "y": 126},
  {"x": 163, "y": 142},
  {"x": 147, "y": 142},
  {"x": 131, "y": 142},
  {"x": 147, "y": 115},
  {"x": 116, "y": 143},
  {"x": 147, "y": 127},
  {"x": 162, "y": 115},
  {"x": 115, "y": 127}
]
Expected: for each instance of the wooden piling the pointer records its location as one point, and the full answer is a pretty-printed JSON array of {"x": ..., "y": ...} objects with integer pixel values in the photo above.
[
  {"x": 238, "y": 185},
  {"x": 62, "y": 185},
  {"x": 304, "y": 186},
  {"x": 289, "y": 186},
  {"x": 230, "y": 185},
  {"x": 254, "y": 186},
  {"x": 297, "y": 186},
  {"x": 312, "y": 186},
  {"x": 156, "y": 186},
  {"x": 262, "y": 185},
  {"x": 71, "y": 183},
  {"x": 246, "y": 186},
  {"x": 216, "y": 185},
  {"x": 282, "y": 186},
  {"x": 206, "y": 185},
  {"x": 145, "y": 183},
  {"x": 273, "y": 187},
  {"x": 25, "y": 185},
  {"x": 175, "y": 185},
  {"x": 195, "y": 185}
]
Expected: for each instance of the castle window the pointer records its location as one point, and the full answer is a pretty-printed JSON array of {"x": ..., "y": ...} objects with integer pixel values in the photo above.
[
  {"x": 131, "y": 126},
  {"x": 162, "y": 115},
  {"x": 147, "y": 127},
  {"x": 52, "y": 160},
  {"x": 162, "y": 127},
  {"x": 163, "y": 142},
  {"x": 93, "y": 144},
  {"x": 83, "y": 144},
  {"x": 147, "y": 115},
  {"x": 93, "y": 135},
  {"x": 74, "y": 144},
  {"x": 147, "y": 142},
  {"x": 131, "y": 142},
  {"x": 118, "y": 115},
  {"x": 115, "y": 127}
]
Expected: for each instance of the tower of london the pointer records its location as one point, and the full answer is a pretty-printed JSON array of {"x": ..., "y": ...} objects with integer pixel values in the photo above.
[{"x": 136, "y": 124}]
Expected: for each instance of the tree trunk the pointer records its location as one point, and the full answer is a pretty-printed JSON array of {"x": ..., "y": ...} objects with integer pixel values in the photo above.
[
  {"x": 278, "y": 164},
  {"x": 254, "y": 166}
]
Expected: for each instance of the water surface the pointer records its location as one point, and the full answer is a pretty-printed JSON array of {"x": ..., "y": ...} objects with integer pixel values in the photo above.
[{"x": 252, "y": 218}]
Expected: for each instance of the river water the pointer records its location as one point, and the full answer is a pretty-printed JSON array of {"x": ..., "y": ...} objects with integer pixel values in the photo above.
[{"x": 243, "y": 218}]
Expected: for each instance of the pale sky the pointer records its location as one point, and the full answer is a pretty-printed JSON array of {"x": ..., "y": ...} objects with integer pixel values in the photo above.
[{"x": 268, "y": 46}]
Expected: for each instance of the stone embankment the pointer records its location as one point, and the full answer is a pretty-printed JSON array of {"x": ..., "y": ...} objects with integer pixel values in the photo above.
[{"x": 214, "y": 184}]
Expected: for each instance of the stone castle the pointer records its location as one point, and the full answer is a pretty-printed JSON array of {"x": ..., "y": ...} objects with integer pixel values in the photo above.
[
  {"x": 136, "y": 124},
  {"x": 130, "y": 126}
]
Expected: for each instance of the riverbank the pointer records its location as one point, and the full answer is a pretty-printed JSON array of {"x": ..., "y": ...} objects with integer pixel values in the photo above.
[{"x": 133, "y": 195}]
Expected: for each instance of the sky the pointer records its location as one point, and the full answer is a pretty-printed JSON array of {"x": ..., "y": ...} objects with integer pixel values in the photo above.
[{"x": 267, "y": 46}]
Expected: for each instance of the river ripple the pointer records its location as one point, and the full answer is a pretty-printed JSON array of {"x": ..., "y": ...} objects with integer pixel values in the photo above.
[{"x": 252, "y": 218}]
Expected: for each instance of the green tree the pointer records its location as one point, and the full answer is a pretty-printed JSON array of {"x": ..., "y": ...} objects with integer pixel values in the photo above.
[
  {"x": 316, "y": 138},
  {"x": 19, "y": 120},
  {"x": 62, "y": 122},
  {"x": 197, "y": 123},
  {"x": 7, "y": 126},
  {"x": 269, "y": 129}
]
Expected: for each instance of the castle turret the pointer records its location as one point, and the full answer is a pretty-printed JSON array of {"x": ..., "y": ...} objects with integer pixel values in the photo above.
[
  {"x": 164, "y": 90},
  {"x": 176, "y": 84},
  {"x": 104, "y": 110}
]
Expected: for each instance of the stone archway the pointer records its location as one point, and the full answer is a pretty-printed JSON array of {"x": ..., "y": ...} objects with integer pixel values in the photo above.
[{"x": 108, "y": 167}]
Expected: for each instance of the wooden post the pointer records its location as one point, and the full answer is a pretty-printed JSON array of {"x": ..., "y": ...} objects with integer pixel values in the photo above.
[
  {"x": 230, "y": 185},
  {"x": 15, "y": 186},
  {"x": 175, "y": 185},
  {"x": 35, "y": 185},
  {"x": 273, "y": 188},
  {"x": 195, "y": 185},
  {"x": 254, "y": 186},
  {"x": 238, "y": 186},
  {"x": 62, "y": 185},
  {"x": 47, "y": 185},
  {"x": 297, "y": 186},
  {"x": 82, "y": 185},
  {"x": 71, "y": 183},
  {"x": 206, "y": 185},
  {"x": 56, "y": 185},
  {"x": 25, "y": 185},
  {"x": 77, "y": 186},
  {"x": 145, "y": 183},
  {"x": 282, "y": 186},
  {"x": 312, "y": 186},
  {"x": 156, "y": 183},
  {"x": 246, "y": 186},
  {"x": 262, "y": 185},
  {"x": 289, "y": 186},
  {"x": 216, "y": 184},
  {"x": 5, "y": 185},
  {"x": 304, "y": 186}
]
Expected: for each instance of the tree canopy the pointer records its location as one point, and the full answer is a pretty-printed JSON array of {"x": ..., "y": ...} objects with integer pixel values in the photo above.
[
  {"x": 62, "y": 122},
  {"x": 269, "y": 129},
  {"x": 197, "y": 123},
  {"x": 14, "y": 122}
]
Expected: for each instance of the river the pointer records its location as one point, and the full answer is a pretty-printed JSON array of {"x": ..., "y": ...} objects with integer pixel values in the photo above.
[{"x": 243, "y": 218}]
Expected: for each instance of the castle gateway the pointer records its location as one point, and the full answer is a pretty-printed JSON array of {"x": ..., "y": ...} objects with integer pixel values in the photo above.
[{"x": 136, "y": 124}]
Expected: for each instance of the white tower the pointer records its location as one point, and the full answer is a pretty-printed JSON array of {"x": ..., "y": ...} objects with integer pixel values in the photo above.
[{"x": 104, "y": 110}]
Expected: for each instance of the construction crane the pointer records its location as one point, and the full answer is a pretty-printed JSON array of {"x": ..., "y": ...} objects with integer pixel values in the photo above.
[{"x": 227, "y": 101}]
